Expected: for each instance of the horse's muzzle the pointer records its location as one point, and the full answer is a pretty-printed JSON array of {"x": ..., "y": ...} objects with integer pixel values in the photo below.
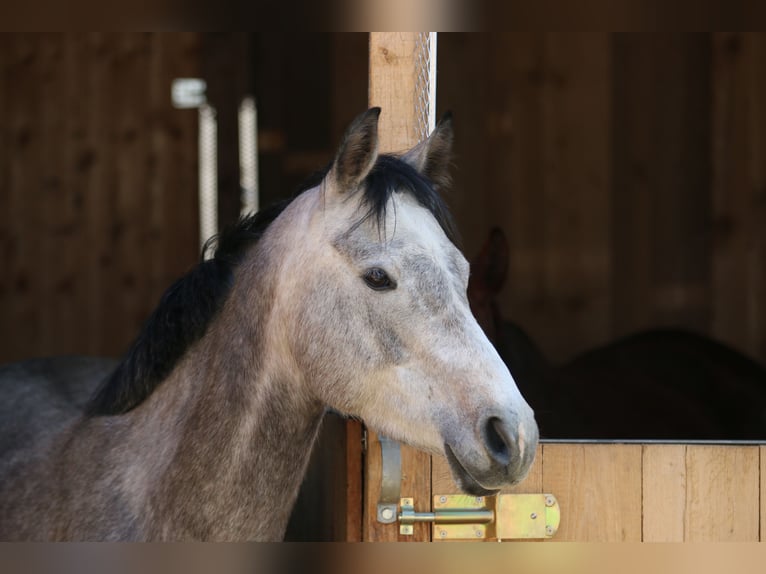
[{"x": 509, "y": 450}]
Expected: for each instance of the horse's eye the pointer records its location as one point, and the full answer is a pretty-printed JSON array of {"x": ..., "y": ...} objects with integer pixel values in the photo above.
[{"x": 378, "y": 279}]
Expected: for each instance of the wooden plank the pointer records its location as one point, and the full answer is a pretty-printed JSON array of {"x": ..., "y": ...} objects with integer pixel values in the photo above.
[
  {"x": 6, "y": 239},
  {"x": 722, "y": 497},
  {"x": 48, "y": 196},
  {"x": 94, "y": 179},
  {"x": 392, "y": 87},
  {"x": 632, "y": 196},
  {"x": 762, "y": 454},
  {"x": 664, "y": 493},
  {"x": 681, "y": 161},
  {"x": 576, "y": 157},
  {"x": 661, "y": 174},
  {"x": 72, "y": 334},
  {"x": 598, "y": 487},
  {"x": 130, "y": 192},
  {"x": 550, "y": 161},
  {"x": 20, "y": 328},
  {"x": 354, "y": 480},
  {"x": 739, "y": 191}
]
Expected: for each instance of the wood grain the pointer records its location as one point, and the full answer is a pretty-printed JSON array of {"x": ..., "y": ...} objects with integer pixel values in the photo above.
[
  {"x": 354, "y": 482},
  {"x": 549, "y": 162},
  {"x": 598, "y": 487},
  {"x": 723, "y": 486},
  {"x": 762, "y": 454},
  {"x": 664, "y": 493},
  {"x": 99, "y": 190},
  {"x": 739, "y": 191}
]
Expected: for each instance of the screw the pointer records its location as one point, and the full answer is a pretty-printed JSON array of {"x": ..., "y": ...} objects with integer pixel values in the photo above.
[
  {"x": 549, "y": 530},
  {"x": 442, "y": 533},
  {"x": 479, "y": 499},
  {"x": 533, "y": 515},
  {"x": 442, "y": 499},
  {"x": 387, "y": 514},
  {"x": 478, "y": 534},
  {"x": 549, "y": 501}
]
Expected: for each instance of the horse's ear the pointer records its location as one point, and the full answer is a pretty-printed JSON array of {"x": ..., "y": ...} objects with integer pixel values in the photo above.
[
  {"x": 357, "y": 152},
  {"x": 432, "y": 156}
]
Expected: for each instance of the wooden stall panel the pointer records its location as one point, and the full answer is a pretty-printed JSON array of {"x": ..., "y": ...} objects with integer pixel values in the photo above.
[
  {"x": 598, "y": 487},
  {"x": 722, "y": 494},
  {"x": 739, "y": 191},
  {"x": 649, "y": 493},
  {"x": 661, "y": 181},
  {"x": 549, "y": 154},
  {"x": 97, "y": 188},
  {"x": 664, "y": 493},
  {"x": 762, "y": 493},
  {"x": 701, "y": 493}
]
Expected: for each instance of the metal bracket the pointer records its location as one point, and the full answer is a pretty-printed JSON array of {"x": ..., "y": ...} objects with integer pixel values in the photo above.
[
  {"x": 391, "y": 480},
  {"x": 501, "y": 517}
]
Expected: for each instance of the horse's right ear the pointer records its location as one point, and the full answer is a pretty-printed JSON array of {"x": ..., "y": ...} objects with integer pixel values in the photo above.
[
  {"x": 357, "y": 152},
  {"x": 432, "y": 156}
]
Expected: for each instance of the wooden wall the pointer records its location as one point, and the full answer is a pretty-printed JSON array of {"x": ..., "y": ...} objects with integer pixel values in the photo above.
[
  {"x": 98, "y": 187},
  {"x": 647, "y": 492},
  {"x": 626, "y": 170},
  {"x": 627, "y": 173}
]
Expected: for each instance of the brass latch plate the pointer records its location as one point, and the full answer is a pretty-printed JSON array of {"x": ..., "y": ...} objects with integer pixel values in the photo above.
[{"x": 501, "y": 517}]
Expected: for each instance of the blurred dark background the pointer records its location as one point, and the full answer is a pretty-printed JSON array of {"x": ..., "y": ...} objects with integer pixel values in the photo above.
[{"x": 626, "y": 170}]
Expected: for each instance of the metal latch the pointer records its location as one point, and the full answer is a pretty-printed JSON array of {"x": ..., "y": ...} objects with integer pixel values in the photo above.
[
  {"x": 501, "y": 517},
  {"x": 390, "y": 480}
]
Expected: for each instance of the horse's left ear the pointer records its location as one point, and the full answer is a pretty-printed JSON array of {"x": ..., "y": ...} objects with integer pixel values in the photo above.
[
  {"x": 357, "y": 152},
  {"x": 432, "y": 156}
]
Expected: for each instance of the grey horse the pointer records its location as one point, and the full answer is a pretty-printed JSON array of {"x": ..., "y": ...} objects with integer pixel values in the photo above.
[{"x": 351, "y": 296}]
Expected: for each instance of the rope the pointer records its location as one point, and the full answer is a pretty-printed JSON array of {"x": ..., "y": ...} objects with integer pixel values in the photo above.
[
  {"x": 208, "y": 173},
  {"x": 425, "y": 83},
  {"x": 248, "y": 155}
]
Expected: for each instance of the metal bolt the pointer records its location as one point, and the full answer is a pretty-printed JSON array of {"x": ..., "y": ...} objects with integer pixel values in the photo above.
[
  {"x": 550, "y": 501},
  {"x": 549, "y": 530},
  {"x": 533, "y": 515},
  {"x": 442, "y": 533},
  {"x": 387, "y": 513},
  {"x": 478, "y": 534},
  {"x": 442, "y": 499}
]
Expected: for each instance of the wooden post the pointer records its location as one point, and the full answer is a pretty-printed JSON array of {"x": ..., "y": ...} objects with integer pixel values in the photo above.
[{"x": 392, "y": 87}]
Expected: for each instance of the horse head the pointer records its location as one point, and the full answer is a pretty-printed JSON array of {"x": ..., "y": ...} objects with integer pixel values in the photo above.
[{"x": 377, "y": 319}]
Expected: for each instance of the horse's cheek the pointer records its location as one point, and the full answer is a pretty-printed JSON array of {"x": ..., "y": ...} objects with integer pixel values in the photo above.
[{"x": 327, "y": 334}]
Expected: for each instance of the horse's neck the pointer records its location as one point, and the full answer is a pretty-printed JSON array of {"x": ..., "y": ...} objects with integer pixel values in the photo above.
[{"x": 237, "y": 443}]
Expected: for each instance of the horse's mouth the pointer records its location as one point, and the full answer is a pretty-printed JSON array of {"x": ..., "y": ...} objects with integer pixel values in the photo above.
[{"x": 464, "y": 479}]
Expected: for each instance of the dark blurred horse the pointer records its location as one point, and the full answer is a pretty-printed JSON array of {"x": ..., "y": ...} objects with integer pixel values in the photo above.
[{"x": 659, "y": 384}]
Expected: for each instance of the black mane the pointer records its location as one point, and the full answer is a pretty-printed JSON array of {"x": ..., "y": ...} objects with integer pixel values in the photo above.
[{"x": 188, "y": 307}]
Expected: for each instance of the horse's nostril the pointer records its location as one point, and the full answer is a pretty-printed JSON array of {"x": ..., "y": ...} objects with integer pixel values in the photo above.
[{"x": 497, "y": 441}]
